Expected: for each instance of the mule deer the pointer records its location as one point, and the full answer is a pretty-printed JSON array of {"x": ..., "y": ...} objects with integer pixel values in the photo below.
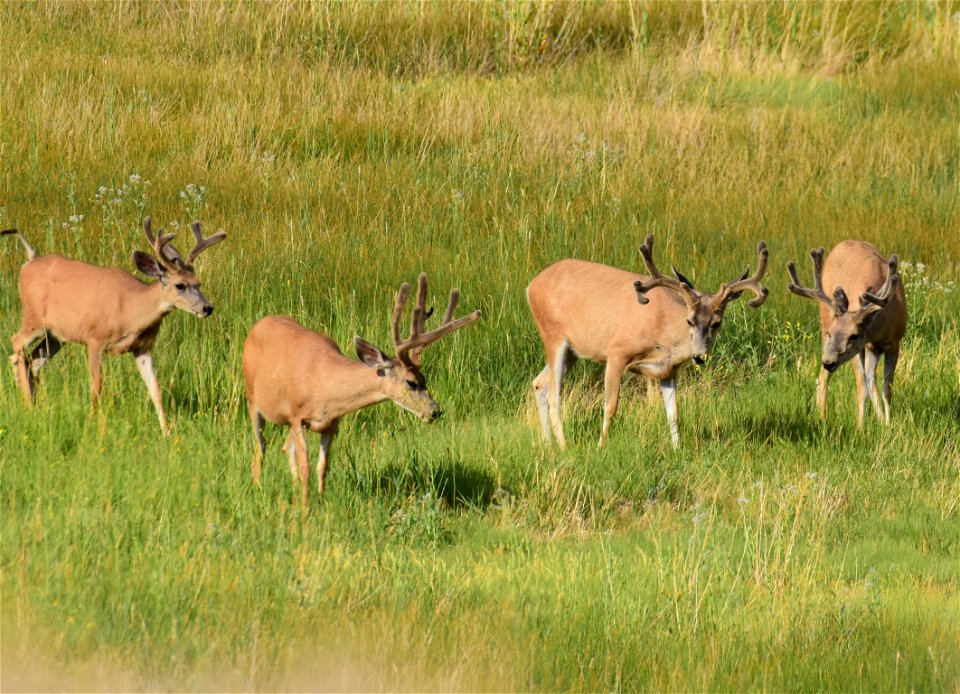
[
  {"x": 297, "y": 377},
  {"x": 604, "y": 314},
  {"x": 859, "y": 331},
  {"x": 107, "y": 309}
]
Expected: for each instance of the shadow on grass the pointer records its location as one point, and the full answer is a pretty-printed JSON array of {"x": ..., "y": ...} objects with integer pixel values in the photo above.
[
  {"x": 786, "y": 424},
  {"x": 459, "y": 485}
]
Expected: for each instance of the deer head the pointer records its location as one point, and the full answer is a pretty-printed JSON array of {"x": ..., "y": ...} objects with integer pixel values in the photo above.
[
  {"x": 179, "y": 285},
  {"x": 403, "y": 381},
  {"x": 847, "y": 332},
  {"x": 704, "y": 311}
]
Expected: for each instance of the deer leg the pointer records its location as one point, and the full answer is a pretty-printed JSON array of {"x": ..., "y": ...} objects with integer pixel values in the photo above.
[
  {"x": 541, "y": 391},
  {"x": 822, "y": 392},
  {"x": 43, "y": 353},
  {"x": 889, "y": 366},
  {"x": 557, "y": 369},
  {"x": 611, "y": 394},
  {"x": 145, "y": 366},
  {"x": 303, "y": 462},
  {"x": 857, "y": 364},
  {"x": 21, "y": 371},
  {"x": 326, "y": 438},
  {"x": 94, "y": 355},
  {"x": 259, "y": 444},
  {"x": 668, "y": 389},
  {"x": 870, "y": 361},
  {"x": 290, "y": 448}
]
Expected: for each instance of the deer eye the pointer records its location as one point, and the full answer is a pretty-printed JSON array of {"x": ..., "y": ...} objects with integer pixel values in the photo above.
[
  {"x": 690, "y": 322},
  {"x": 180, "y": 286},
  {"x": 854, "y": 337},
  {"x": 413, "y": 384}
]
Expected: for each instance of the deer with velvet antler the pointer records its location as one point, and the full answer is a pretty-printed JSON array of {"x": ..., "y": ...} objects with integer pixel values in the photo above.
[
  {"x": 107, "y": 309},
  {"x": 652, "y": 325},
  {"x": 862, "y": 330},
  {"x": 299, "y": 378}
]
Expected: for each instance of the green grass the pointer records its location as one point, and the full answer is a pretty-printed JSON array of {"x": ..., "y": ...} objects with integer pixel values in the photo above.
[{"x": 345, "y": 148}]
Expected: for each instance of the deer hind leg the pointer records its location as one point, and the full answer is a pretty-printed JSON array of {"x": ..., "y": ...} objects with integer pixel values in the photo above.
[
  {"x": 541, "y": 391},
  {"x": 25, "y": 377},
  {"x": 561, "y": 360},
  {"x": 822, "y": 382},
  {"x": 259, "y": 444},
  {"x": 668, "y": 389},
  {"x": 145, "y": 366},
  {"x": 94, "y": 355},
  {"x": 870, "y": 361},
  {"x": 611, "y": 394},
  {"x": 889, "y": 367}
]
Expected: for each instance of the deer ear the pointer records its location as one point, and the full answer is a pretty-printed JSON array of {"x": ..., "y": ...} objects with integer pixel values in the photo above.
[
  {"x": 173, "y": 255},
  {"x": 840, "y": 301},
  {"x": 148, "y": 265},
  {"x": 371, "y": 356},
  {"x": 681, "y": 279}
]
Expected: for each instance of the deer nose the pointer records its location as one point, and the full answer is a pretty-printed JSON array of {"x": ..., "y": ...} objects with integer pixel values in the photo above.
[
  {"x": 830, "y": 366},
  {"x": 206, "y": 310},
  {"x": 435, "y": 415},
  {"x": 699, "y": 361}
]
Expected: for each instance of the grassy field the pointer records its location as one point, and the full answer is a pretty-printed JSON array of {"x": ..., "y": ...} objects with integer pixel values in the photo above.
[{"x": 346, "y": 147}]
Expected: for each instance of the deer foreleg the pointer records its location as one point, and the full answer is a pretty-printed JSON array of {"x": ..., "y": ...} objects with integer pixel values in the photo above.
[
  {"x": 611, "y": 391},
  {"x": 668, "y": 389},
  {"x": 259, "y": 444},
  {"x": 303, "y": 462},
  {"x": 541, "y": 391},
  {"x": 145, "y": 366},
  {"x": 870, "y": 360},
  {"x": 44, "y": 352},
  {"x": 822, "y": 392},
  {"x": 889, "y": 366},
  {"x": 857, "y": 364},
  {"x": 290, "y": 448}
]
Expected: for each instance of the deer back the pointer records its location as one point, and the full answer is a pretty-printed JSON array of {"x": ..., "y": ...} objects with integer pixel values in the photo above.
[
  {"x": 595, "y": 308},
  {"x": 79, "y": 302}
]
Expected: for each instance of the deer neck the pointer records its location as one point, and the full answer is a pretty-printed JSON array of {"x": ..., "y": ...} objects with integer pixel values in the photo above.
[
  {"x": 352, "y": 388},
  {"x": 147, "y": 306}
]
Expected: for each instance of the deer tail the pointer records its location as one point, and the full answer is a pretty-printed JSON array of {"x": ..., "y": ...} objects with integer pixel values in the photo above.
[{"x": 31, "y": 254}]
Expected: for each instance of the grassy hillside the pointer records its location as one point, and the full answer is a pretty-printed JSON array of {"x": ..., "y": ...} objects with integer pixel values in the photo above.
[{"x": 347, "y": 147}]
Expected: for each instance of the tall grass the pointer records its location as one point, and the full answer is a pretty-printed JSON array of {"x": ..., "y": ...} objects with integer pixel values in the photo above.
[{"x": 347, "y": 146}]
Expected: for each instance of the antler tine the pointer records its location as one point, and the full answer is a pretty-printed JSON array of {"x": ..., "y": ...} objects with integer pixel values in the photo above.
[
  {"x": 411, "y": 348},
  {"x": 420, "y": 311},
  {"x": 402, "y": 297},
  {"x": 889, "y": 286},
  {"x": 158, "y": 242},
  {"x": 657, "y": 278},
  {"x": 203, "y": 243},
  {"x": 752, "y": 283},
  {"x": 817, "y": 292}
]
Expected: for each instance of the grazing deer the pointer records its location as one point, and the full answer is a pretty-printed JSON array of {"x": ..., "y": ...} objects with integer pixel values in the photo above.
[
  {"x": 297, "y": 377},
  {"x": 863, "y": 331},
  {"x": 603, "y": 314},
  {"x": 107, "y": 309}
]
